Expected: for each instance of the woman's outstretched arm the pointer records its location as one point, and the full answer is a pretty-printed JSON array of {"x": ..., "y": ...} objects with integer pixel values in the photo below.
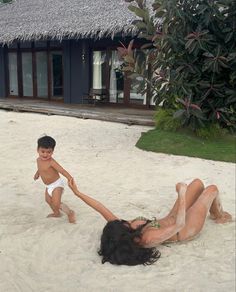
[
  {"x": 152, "y": 237},
  {"x": 96, "y": 205}
]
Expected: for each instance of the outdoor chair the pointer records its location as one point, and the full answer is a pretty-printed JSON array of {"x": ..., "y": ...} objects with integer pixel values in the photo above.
[{"x": 95, "y": 96}]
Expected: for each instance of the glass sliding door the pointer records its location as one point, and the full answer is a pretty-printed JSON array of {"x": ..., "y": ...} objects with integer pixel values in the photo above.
[
  {"x": 13, "y": 79},
  {"x": 136, "y": 95},
  {"x": 99, "y": 70},
  {"x": 99, "y": 81},
  {"x": 109, "y": 77},
  {"x": 42, "y": 74},
  {"x": 27, "y": 74},
  {"x": 116, "y": 89},
  {"x": 138, "y": 86},
  {"x": 35, "y": 71},
  {"x": 57, "y": 75}
]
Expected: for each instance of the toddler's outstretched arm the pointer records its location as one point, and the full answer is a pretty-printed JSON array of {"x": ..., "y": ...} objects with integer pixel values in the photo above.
[
  {"x": 96, "y": 205},
  {"x": 36, "y": 176},
  {"x": 60, "y": 169}
]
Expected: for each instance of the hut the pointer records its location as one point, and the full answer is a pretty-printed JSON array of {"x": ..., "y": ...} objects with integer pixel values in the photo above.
[{"x": 66, "y": 50}]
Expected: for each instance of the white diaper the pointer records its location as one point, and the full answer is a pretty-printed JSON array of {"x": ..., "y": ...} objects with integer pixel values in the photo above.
[{"x": 59, "y": 183}]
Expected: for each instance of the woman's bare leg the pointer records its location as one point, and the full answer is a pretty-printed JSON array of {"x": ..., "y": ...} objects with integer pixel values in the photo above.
[
  {"x": 196, "y": 214},
  {"x": 194, "y": 190},
  {"x": 217, "y": 213}
]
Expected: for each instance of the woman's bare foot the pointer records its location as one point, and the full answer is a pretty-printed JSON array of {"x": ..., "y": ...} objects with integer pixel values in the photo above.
[
  {"x": 71, "y": 216},
  {"x": 54, "y": 215},
  {"x": 181, "y": 187},
  {"x": 223, "y": 218}
]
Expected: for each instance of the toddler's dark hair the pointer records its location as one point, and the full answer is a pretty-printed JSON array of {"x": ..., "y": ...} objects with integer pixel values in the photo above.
[{"x": 46, "y": 142}]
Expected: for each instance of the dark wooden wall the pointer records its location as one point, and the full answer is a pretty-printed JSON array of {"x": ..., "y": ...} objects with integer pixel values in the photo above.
[
  {"x": 77, "y": 59},
  {"x": 3, "y": 89}
]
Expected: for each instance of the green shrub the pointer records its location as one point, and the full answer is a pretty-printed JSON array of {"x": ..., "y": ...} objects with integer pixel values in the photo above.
[
  {"x": 5, "y": 1},
  {"x": 192, "y": 55},
  {"x": 211, "y": 131},
  {"x": 164, "y": 120}
]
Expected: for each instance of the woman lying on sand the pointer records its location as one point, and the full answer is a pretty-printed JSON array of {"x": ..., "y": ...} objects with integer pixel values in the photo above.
[{"x": 133, "y": 242}]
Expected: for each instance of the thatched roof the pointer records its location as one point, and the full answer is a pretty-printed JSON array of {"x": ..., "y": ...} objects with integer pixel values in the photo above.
[{"x": 27, "y": 20}]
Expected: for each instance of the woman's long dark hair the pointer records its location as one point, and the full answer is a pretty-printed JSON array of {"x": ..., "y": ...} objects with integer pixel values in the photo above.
[{"x": 118, "y": 246}]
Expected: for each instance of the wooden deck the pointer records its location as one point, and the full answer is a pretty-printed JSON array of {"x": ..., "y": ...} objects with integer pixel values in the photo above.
[{"x": 109, "y": 113}]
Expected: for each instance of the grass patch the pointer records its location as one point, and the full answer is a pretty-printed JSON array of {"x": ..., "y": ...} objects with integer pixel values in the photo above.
[{"x": 182, "y": 143}]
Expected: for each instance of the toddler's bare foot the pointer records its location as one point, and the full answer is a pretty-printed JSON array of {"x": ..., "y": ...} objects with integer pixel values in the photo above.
[
  {"x": 223, "y": 218},
  {"x": 54, "y": 215},
  {"x": 71, "y": 216}
]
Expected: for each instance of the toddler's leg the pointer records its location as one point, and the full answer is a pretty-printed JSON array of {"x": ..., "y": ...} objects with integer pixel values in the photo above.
[
  {"x": 56, "y": 202},
  {"x": 70, "y": 213},
  {"x": 48, "y": 199}
]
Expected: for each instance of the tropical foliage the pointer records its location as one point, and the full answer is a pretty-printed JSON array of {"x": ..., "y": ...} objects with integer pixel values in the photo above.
[
  {"x": 5, "y": 1},
  {"x": 190, "y": 59}
]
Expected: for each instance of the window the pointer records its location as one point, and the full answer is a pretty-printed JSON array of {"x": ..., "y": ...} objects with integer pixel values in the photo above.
[
  {"x": 108, "y": 75},
  {"x": 116, "y": 88},
  {"x": 27, "y": 74},
  {"x": 57, "y": 74},
  {"x": 99, "y": 70},
  {"x": 42, "y": 74},
  {"x": 13, "y": 79},
  {"x": 138, "y": 85}
]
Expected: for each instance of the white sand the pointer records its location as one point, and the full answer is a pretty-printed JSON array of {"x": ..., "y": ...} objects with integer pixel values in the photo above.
[{"x": 40, "y": 254}]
